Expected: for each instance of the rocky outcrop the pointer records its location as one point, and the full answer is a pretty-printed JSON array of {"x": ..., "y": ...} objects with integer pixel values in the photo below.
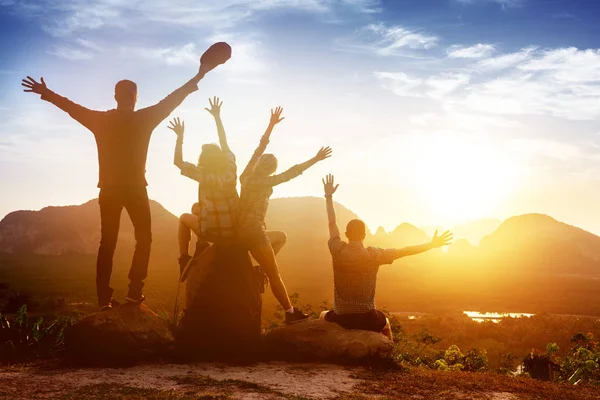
[
  {"x": 123, "y": 336},
  {"x": 322, "y": 340}
]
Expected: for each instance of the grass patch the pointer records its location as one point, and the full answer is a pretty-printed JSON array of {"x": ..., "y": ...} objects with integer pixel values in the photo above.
[{"x": 427, "y": 383}]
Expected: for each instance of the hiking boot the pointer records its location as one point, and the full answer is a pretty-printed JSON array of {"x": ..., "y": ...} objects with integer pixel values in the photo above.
[
  {"x": 295, "y": 317},
  {"x": 183, "y": 261},
  {"x": 108, "y": 306},
  {"x": 135, "y": 299}
]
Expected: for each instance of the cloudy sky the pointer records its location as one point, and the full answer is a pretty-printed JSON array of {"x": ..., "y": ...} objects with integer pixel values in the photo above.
[{"x": 438, "y": 111}]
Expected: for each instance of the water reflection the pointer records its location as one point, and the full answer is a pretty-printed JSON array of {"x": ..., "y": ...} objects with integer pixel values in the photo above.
[{"x": 494, "y": 317}]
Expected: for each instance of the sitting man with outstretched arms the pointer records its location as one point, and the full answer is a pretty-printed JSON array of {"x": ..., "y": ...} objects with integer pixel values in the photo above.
[{"x": 355, "y": 270}]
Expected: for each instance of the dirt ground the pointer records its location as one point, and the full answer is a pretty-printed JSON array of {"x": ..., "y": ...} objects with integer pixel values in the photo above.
[{"x": 271, "y": 380}]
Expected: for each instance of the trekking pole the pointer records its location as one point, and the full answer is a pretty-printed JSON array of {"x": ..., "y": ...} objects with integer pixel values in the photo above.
[{"x": 176, "y": 308}]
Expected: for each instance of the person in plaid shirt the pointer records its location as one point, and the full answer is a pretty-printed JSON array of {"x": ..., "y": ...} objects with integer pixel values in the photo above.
[
  {"x": 257, "y": 187},
  {"x": 216, "y": 174},
  {"x": 355, "y": 270}
]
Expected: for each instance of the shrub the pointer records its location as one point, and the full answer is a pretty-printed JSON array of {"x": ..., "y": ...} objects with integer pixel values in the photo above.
[{"x": 25, "y": 339}]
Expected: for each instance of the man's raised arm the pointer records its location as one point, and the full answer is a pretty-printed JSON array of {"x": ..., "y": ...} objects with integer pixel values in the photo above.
[
  {"x": 161, "y": 110},
  {"x": 437, "y": 241},
  {"x": 84, "y": 116},
  {"x": 330, "y": 188}
]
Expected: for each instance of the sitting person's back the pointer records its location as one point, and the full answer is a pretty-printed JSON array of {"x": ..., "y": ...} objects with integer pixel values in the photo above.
[{"x": 355, "y": 270}]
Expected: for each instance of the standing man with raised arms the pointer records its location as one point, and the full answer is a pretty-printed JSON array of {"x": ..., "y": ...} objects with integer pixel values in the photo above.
[{"x": 122, "y": 136}]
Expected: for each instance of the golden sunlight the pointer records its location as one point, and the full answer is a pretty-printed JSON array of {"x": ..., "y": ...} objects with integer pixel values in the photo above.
[{"x": 462, "y": 177}]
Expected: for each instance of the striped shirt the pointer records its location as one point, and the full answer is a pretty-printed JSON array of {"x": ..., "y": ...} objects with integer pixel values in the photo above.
[
  {"x": 355, "y": 270},
  {"x": 256, "y": 190},
  {"x": 217, "y": 197}
]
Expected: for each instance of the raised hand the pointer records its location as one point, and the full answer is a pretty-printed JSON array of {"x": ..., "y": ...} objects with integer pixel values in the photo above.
[
  {"x": 443, "y": 240},
  {"x": 328, "y": 185},
  {"x": 276, "y": 116},
  {"x": 177, "y": 126},
  {"x": 32, "y": 86},
  {"x": 324, "y": 153},
  {"x": 215, "y": 107}
]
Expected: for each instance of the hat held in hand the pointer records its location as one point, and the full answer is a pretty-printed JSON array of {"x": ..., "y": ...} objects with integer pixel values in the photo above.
[{"x": 216, "y": 54}]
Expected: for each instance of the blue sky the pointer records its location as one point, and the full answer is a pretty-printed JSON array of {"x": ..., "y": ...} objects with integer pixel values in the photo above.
[{"x": 438, "y": 111}]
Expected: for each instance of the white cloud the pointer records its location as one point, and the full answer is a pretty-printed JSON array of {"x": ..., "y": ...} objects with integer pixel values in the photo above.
[
  {"x": 65, "y": 17},
  {"x": 439, "y": 86},
  {"x": 88, "y": 44},
  {"x": 401, "y": 84},
  {"x": 435, "y": 87},
  {"x": 561, "y": 82},
  {"x": 506, "y": 60},
  {"x": 186, "y": 54},
  {"x": 387, "y": 40},
  {"x": 246, "y": 57},
  {"x": 479, "y": 50},
  {"x": 503, "y": 3},
  {"x": 70, "y": 53}
]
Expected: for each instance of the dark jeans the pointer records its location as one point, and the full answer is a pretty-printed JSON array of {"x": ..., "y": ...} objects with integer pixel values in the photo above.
[
  {"x": 112, "y": 200},
  {"x": 373, "y": 320}
]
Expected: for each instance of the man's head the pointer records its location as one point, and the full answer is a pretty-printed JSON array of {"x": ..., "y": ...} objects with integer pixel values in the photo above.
[
  {"x": 356, "y": 230},
  {"x": 267, "y": 164},
  {"x": 126, "y": 94},
  {"x": 212, "y": 158}
]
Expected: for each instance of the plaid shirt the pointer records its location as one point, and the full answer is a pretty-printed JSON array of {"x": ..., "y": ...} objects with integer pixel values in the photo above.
[
  {"x": 217, "y": 197},
  {"x": 355, "y": 270},
  {"x": 256, "y": 191}
]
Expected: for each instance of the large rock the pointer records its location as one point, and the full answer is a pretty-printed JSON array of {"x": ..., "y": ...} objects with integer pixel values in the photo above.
[
  {"x": 222, "y": 316},
  {"x": 322, "y": 340},
  {"x": 123, "y": 336}
]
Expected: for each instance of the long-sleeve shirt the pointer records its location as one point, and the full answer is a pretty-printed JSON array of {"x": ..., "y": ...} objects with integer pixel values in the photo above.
[
  {"x": 217, "y": 197},
  {"x": 257, "y": 190},
  {"x": 122, "y": 136}
]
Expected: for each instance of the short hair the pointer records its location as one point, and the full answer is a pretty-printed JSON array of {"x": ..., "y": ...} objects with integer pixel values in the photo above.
[
  {"x": 125, "y": 88},
  {"x": 356, "y": 228}
]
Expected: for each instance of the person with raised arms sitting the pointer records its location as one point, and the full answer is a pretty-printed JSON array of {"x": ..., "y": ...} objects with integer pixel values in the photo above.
[
  {"x": 355, "y": 269},
  {"x": 258, "y": 180},
  {"x": 216, "y": 174}
]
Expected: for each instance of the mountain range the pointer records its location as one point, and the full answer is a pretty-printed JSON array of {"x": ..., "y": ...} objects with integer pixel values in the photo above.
[{"x": 533, "y": 251}]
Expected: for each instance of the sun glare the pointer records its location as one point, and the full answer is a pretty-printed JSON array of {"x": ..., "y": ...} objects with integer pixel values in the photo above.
[{"x": 461, "y": 177}]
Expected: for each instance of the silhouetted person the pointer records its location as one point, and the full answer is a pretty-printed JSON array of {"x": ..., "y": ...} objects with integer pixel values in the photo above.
[
  {"x": 355, "y": 270},
  {"x": 257, "y": 187},
  {"x": 122, "y": 137},
  {"x": 216, "y": 174}
]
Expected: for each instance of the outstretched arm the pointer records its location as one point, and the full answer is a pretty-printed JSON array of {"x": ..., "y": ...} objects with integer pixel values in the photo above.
[
  {"x": 436, "y": 241},
  {"x": 155, "y": 114},
  {"x": 297, "y": 170},
  {"x": 84, "y": 116},
  {"x": 264, "y": 141},
  {"x": 178, "y": 127},
  {"x": 330, "y": 188},
  {"x": 215, "y": 111},
  {"x": 218, "y": 181}
]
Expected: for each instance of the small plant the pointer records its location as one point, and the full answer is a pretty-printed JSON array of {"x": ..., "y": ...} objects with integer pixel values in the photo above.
[{"x": 26, "y": 339}]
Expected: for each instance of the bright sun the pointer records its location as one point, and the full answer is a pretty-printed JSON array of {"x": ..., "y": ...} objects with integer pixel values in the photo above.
[{"x": 462, "y": 177}]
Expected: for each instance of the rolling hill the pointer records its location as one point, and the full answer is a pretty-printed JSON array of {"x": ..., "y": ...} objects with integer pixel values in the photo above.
[{"x": 51, "y": 252}]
